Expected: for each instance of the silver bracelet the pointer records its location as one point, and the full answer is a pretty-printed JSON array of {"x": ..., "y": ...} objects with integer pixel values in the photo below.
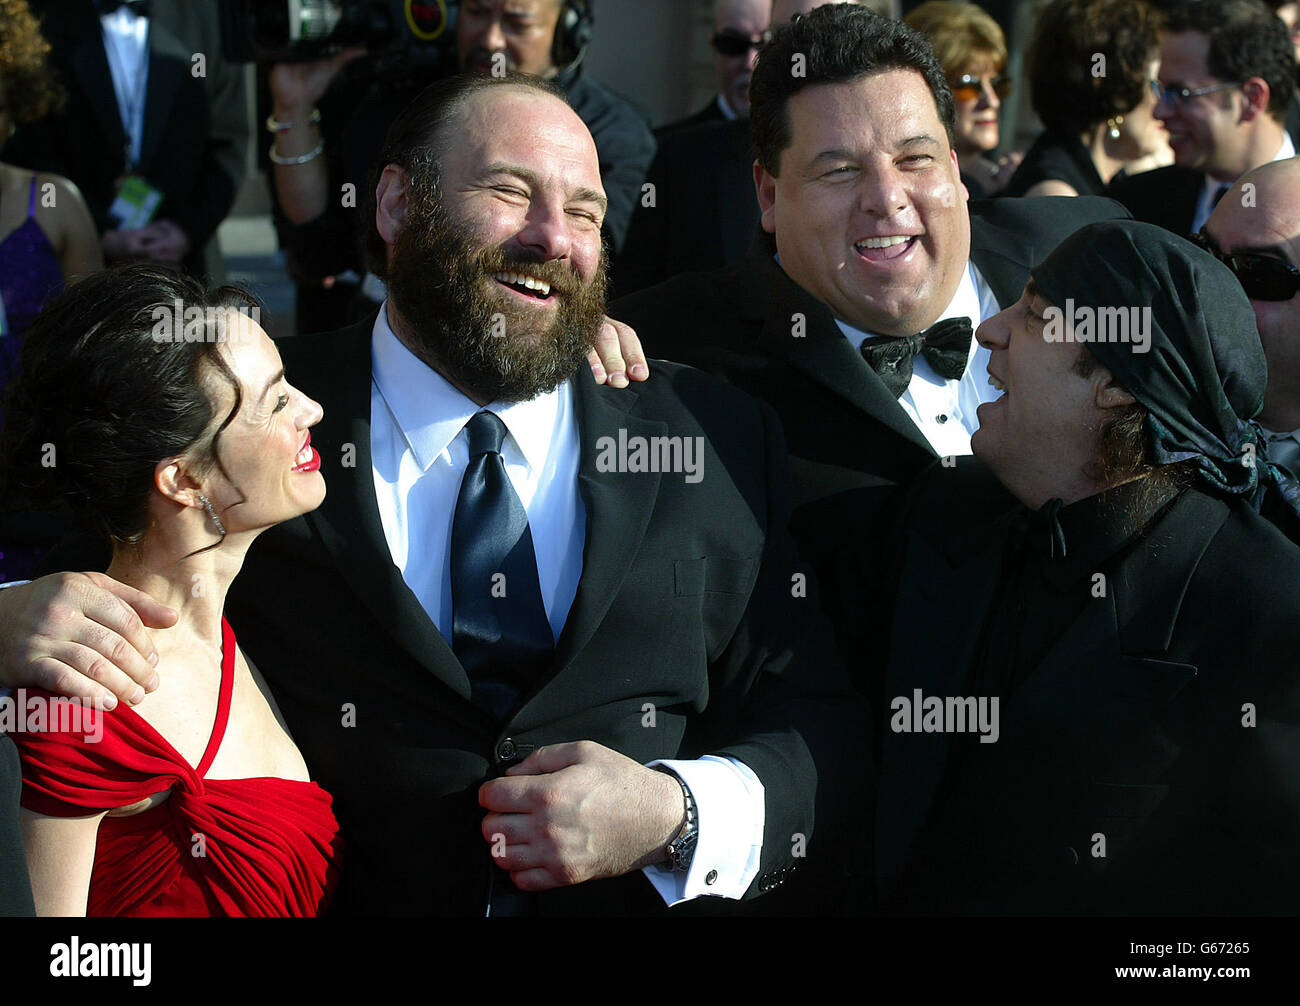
[
  {"x": 274, "y": 125},
  {"x": 300, "y": 159}
]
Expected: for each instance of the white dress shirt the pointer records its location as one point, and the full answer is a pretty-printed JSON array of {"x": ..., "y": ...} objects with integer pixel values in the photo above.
[
  {"x": 943, "y": 409},
  {"x": 1205, "y": 204},
  {"x": 126, "y": 45},
  {"x": 724, "y": 106},
  {"x": 419, "y": 454}
]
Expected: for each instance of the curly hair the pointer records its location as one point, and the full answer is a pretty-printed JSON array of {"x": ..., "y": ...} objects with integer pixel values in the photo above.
[
  {"x": 31, "y": 87},
  {"x": 1125, "y": 451},
  {"x": 1067, "y": 93}
]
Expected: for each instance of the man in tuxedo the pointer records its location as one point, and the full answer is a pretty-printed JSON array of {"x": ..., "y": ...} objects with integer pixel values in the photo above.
[
  {"x": 503, "y": 616},
  {"x": 739, "y": 28},
  {"x": 866, "y": 241},
  {"x": 135, "y": 109},
  {"x": 1107, "y": 722},
  {"x": 1227, "y": 77}
]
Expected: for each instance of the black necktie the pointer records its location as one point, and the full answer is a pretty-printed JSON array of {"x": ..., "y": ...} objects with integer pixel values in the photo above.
[
  {"x": 500, "y": 632},
  {"x": 945, "y": 346},
  {"x": 1219, "y": 194}
]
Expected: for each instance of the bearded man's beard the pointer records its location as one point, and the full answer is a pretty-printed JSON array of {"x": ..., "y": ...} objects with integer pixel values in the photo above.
[{"x": 481, "y": 337}]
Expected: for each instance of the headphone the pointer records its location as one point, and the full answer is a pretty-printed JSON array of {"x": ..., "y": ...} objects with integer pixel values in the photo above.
[{"x": 572, "y": 32}]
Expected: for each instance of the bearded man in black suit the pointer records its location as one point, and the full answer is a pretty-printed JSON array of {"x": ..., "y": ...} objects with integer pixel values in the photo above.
[
  {"x": 648, "y": 614},
  {"x": 866, "y": 241}
]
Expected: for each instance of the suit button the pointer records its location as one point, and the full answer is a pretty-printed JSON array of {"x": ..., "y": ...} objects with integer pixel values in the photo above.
[
  {"x": 506, "y": 750},
  {"x": 711, "y": 877}
]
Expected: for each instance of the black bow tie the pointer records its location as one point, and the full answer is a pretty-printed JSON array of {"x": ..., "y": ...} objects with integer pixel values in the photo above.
[
  {"x": 137, "y": 7},
  {"x": 945, "y": 346}
]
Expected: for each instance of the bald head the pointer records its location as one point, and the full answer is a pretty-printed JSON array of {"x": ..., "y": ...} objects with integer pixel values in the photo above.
[
  {"x": 1263, "y": 204},
  {"x": 1260, "y": 215}
]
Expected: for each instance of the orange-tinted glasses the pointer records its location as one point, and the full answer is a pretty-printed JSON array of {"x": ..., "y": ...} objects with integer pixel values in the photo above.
[{"x": 969, "y": 86}]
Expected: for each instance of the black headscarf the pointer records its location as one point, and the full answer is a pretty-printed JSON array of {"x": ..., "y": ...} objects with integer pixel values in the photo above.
[{"x": 1203, "y": 375}]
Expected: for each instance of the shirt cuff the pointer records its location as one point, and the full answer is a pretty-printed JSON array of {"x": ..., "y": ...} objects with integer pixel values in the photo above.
[{"x": 729, "y": 843}]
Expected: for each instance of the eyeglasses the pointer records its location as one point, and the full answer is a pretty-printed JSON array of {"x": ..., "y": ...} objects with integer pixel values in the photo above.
[
  {"x": 732, "y": 43},
  {"x": 968, "y": 86},
  {"x": 1178, "y": 95},
  {"x": 1261, "y": 276}
]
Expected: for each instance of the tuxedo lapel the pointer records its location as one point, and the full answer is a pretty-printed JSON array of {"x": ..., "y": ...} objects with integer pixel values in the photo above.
[
  {"x": 802, "y": 330},
  {"x": 90, "y": 66},
  {"x": 934, "y": 659},
  {"x": 618, "y": 505},
  {"x": 1087, "y": 688},
  {"x": 169, "y": 66},
  {"x": 348, "y": 521}
]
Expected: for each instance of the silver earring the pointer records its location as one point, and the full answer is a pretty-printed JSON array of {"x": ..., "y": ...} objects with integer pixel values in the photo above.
[{"x": 212, "y": 515}]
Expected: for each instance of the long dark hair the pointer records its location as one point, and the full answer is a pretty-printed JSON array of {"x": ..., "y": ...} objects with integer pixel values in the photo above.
[{"x": 112, "y": 382}]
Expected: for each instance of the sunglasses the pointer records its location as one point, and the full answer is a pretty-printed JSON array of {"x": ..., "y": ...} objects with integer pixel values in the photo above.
[
  {"x": 1261, "y": 276},
  {"x": 733, "y": 43},
  {"x": 968, "y": 86}
]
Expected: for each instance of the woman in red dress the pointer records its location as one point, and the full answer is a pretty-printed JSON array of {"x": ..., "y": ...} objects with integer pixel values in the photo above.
[{"x": 161, "y": 413}]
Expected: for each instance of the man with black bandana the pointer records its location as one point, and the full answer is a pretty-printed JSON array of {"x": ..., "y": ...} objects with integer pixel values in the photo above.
[{"x": 1109, "y": 592}]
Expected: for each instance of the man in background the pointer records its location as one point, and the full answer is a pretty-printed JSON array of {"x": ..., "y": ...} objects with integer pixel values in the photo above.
[{"x": 1228, "y": 71}]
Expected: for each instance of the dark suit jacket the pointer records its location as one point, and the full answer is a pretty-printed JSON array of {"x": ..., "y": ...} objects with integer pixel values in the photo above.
[
  {"x": 704, "y": 213},
  {"x": 15, "y": 889},
  {"x": 85, "y": 142},
  {"x": 1131, "y": 727},
  {"x": 850, "y": 442},
  {"x": 709, "y": 113},
  {"x": 685, "y": 603},
  {"x": 1165, "y": 197}
]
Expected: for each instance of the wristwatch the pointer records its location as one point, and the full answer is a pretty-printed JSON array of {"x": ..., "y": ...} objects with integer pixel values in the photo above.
[{"x": 681, "y": 850}]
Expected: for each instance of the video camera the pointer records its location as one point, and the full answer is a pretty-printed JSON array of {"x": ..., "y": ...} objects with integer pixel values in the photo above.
[{"x": 414, "y": 32}]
